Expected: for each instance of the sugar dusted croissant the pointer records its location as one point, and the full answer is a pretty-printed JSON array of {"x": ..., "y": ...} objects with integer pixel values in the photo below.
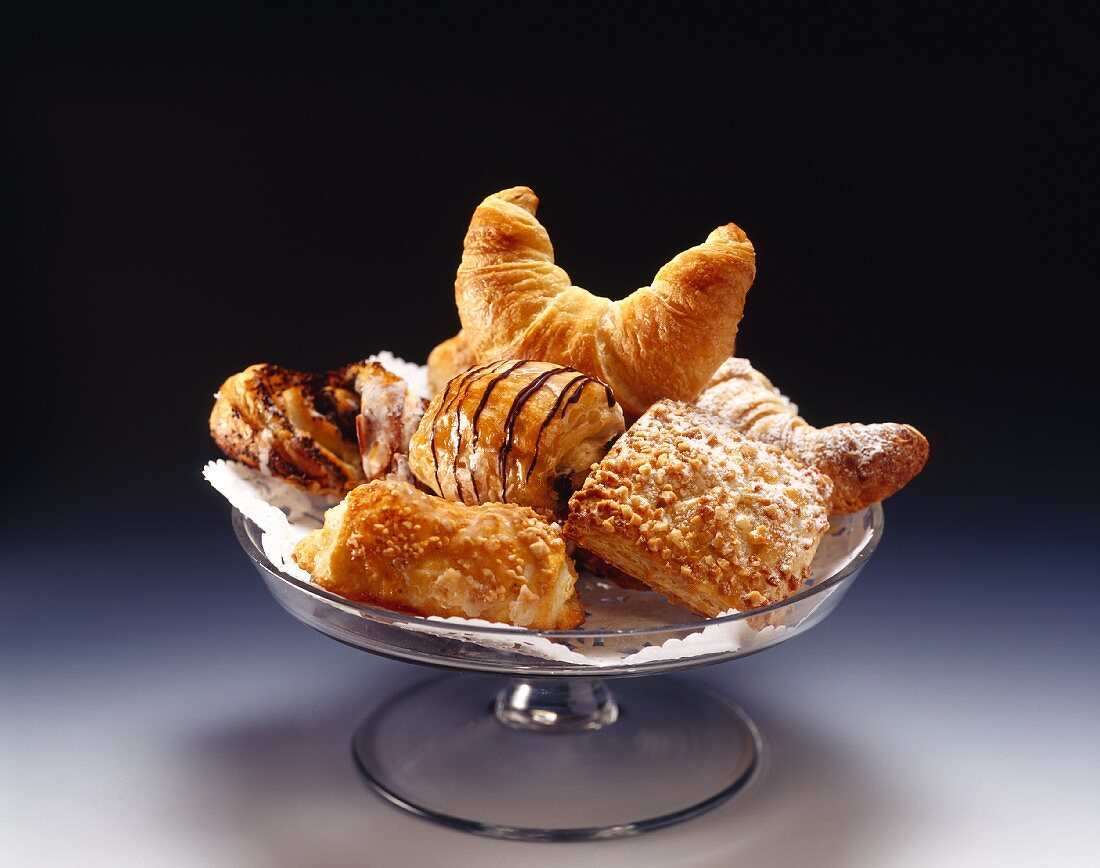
[
  {"x": 516, "y": 431},
  {"x": 325, "y": 433},
  {"x": 391, "y": 545},
  {"x": 866, "y": 463},
  {"x": 665, "y": 340}
]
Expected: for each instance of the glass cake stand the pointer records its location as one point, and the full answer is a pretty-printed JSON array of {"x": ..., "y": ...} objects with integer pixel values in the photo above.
[{"x": 535, "y": 745}]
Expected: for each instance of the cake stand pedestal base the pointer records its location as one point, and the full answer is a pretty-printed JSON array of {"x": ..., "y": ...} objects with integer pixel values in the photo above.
[{"x": 556, "y": 759}]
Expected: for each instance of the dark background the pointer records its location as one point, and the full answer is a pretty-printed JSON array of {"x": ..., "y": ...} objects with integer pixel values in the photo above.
[{"x": 187, "y": 194}]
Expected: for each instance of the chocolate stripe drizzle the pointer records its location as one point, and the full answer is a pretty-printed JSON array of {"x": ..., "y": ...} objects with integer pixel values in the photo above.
[
  {"x": 455, "y": 394},
  {"x": 477, "y": 417},
  {"x": 522, "y": 397},
  {"x": 485, "y": 397},
  {"x": 447, "y": 402},
  {"x": 580, "y": 379}
]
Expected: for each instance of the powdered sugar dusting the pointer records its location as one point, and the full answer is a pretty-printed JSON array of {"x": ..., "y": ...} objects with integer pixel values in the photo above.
[
  {"x": 413, "y": 374},
  {"x": 866, "y": 463}
]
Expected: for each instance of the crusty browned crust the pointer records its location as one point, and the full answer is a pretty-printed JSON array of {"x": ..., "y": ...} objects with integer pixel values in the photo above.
[
  {"x": 391, "y": 545},
  {"x": 664, "y": 340},
  {"x": 711, "y": 519},
  {"x": 867, "y": 463}
]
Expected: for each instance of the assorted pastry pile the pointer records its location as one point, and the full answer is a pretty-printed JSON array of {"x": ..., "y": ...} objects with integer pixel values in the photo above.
[{"x": 564, "y": 428}]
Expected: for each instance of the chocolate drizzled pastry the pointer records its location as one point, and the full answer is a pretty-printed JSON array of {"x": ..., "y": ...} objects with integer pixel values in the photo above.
[{"x": 515, "y": 431}]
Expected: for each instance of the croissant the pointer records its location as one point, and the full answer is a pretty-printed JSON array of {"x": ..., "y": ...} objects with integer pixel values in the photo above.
[
  {"x": 665, "y": 340},
  {"x": 516, "y": 431},
  {"x": 866, "y": 463},
  {"x": 391, "y": 545},
  {"x": 325, "y": 433},
  {"x": 448, "y": 360}
]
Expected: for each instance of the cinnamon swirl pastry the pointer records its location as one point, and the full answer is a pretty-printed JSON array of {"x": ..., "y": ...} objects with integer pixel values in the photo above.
[
  {"x": 515, "y": 431},
  {"x": 325, "y": 433},
  {"x": 391, "y": 545},
  {"x": 299, "y": 427}
]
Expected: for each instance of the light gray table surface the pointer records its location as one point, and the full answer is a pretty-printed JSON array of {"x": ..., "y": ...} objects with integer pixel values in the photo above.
[{"x": 158, "y": 708}]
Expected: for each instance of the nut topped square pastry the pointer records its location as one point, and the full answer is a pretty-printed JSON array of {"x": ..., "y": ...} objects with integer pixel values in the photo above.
[{"x": 702, "y": 514}]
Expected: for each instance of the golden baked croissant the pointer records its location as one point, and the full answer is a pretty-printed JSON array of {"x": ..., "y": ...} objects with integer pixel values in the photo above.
[
  {"x": 325, "y": 433},
  {"x": 865, "y": 462},
  {"x": 391, "y": 545},
  {"x": 665, "y": 340},
  {"x": 516, "y": 431},
  {"x": 448, "y": 360},
  {"x": 701, "y": 513}
]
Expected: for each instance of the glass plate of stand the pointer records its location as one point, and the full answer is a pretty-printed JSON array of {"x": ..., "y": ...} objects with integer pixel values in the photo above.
[{"x": 555, "y": 735}]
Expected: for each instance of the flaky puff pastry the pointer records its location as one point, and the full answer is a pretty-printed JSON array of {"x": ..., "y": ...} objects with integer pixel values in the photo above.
[
  {"x": 391, "y": 545},
  {"x": 692, "y": 508},
  {"x": 867, "y": 463},
  {"x": 515, "y": 431},
  {"x": 664, "y": 340}
]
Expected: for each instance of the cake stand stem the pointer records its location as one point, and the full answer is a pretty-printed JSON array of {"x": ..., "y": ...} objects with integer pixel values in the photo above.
[
  {"x": 470, "y": 754},
  {"x": 556, "y": 705}
]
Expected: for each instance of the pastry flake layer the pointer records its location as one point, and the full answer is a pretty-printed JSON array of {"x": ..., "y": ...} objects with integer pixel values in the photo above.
[
  {"x": 711, "y": 519},
  {"x": 391, "y": 545}
]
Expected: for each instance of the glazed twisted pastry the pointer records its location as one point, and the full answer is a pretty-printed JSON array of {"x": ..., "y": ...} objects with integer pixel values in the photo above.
[
  {"x": 389, "y": 414},
  {"x": 866, "y": 463},
  {"x": 325, "y": 433},
  {"x": 296, "y": 426},
  {"x": 664, "y": 340}
]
